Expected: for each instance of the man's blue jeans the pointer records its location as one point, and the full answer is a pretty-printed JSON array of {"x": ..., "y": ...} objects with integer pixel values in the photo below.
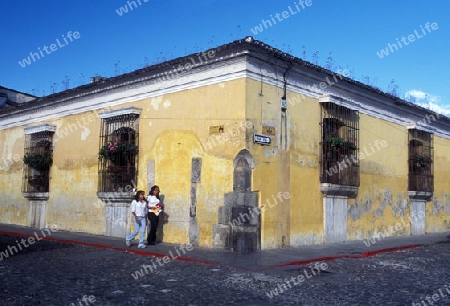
[{"x": 138, "y": 229}]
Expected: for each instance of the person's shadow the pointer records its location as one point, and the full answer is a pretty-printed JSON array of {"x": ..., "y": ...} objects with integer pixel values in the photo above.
[{"x": 163, "y": 219}]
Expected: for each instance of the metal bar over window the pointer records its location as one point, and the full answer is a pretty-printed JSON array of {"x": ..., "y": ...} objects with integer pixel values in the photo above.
[
  {"x": 339, "y": 145},
  {"x": 420, "y": 161},
  {"x": 38, "y": 159},
  {"x": 118, "y": 152}
]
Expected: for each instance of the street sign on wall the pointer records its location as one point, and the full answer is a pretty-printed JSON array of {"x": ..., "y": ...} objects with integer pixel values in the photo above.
[{"x": 261, "y": 139}]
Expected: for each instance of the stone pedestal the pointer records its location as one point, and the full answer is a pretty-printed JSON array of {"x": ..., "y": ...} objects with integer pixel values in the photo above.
[
  {"x": 239, "y": 219},
  {"x": 222, "y": 236},
  {"x": 239, "y": 224},
  {"x": 244, "y": 238},
  {"x": 418, "y": 201},
  {"x": 117, "y": 212},
  {"x": 335, "y": 198},
  {"x": 38, "y": 205}
]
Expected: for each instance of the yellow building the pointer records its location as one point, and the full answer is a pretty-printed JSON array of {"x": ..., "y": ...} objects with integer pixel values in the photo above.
[{"x": 252, "y": 149}]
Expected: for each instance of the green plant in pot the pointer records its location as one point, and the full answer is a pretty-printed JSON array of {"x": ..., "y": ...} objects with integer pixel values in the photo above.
[
  {"x": 421, "y": 160},
  {"x": 38, "y": 161},
  {"x": 339, "y": 143},
  {"x": 114, "y": 151}
]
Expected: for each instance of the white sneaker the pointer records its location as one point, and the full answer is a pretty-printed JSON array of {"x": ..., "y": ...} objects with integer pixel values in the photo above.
[
  {"x": 141, "y": 246},
  {"x": 128, "y": 243}
]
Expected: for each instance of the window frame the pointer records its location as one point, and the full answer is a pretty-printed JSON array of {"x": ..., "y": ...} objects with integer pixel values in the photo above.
[
  {"x": 420, "y": 161},
  {"x": 119, "y": 141},
  {"x": 339, "y": 145},
  {"x": 38, "y": 140}
]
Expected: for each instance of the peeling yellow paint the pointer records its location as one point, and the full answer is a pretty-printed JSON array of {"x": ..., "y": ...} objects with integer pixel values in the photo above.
[
  {"x": 85, "y": 133},
  {"x": 155, "y": 102}
]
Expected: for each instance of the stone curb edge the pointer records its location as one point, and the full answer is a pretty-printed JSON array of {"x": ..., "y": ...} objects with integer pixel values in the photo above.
[{"x": 161, "y": 255}]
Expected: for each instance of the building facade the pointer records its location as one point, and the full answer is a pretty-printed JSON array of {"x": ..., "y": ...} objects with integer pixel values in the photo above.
[{"x": 252, "y": 149}]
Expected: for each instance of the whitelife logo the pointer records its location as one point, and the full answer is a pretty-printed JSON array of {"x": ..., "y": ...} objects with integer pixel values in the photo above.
[
  {"x": 11, "y": 250},
  {"x": 351, "y": 159},
  {"x": 391, "y": 230},
  {"x": 280, "y": 17},
  {"x": 316, "y": 270},
  {"x": 255, "y": 211},
  {"x": 49, "y": 49},
  {"x": 161, "y": 261},
  {"x": 124, "y": 9},
  {"x": 411, "y": 38}
]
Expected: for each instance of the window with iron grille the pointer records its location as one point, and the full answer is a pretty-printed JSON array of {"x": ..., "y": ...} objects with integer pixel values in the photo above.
[
  {"x": 38, "y": 159},
  {"x": 339, "y": 146},
  {"x": 118, "y": 153},
  {"x": 420, "y": 161}
]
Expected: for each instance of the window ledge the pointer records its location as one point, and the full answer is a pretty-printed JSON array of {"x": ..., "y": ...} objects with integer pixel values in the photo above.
[
  {"x": 338, "y": 190},
  {"x": 36, "y": 196},
  {"x": 420, "y": 195},
  {"x": 116, "y": 198}
]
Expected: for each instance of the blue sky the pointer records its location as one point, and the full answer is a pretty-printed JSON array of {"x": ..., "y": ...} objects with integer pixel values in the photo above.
[{"x": 109, "y": 43}]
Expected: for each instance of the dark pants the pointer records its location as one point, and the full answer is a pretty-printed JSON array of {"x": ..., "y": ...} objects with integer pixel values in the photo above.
[{"x": 153, "y": 226}]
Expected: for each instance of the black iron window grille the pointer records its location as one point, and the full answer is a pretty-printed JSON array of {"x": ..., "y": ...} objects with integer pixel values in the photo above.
[
  {"x": 118, "y": 153},
  {"x": 420, "y": 161},
  {"x": 38, "y": 159},
  {"x": 339, "y": 151}
]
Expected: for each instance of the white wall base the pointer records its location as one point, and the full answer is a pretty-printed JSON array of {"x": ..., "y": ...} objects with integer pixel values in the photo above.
[
  {"x": 38, "y": 208},
  {"x": 335, "y": 211},
  {"x": 417, "y": 217},
  {"x": 117, "y": 219},
  {"x": 335, "y": 219},
  {"x": 418, "y": 204}
]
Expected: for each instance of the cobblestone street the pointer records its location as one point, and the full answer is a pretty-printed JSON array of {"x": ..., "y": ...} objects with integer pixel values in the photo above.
[{"x": 54, "y": 273}]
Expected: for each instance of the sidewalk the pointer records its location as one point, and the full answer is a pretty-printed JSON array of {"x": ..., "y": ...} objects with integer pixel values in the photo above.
[{"x": 257, "y": 261}]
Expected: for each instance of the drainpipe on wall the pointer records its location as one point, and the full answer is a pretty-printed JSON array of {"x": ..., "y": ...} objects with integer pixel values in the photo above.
[{"x": 284, "y": 108}]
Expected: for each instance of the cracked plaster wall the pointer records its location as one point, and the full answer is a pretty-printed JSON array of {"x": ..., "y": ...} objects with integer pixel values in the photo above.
[
  {"x": 374, "y": 212},
  {"x": 438, "y": 213}
]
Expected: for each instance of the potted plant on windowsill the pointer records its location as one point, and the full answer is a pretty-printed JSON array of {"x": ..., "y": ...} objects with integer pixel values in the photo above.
[
  {"x": 38, "y": 161},
  {"x": 114, "y": 151},
  {"x": 340, "y": 145},
  {"x": 421, "y": 160}
]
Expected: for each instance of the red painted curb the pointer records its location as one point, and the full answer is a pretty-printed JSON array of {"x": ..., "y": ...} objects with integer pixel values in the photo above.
[
  {"x": 15, "y": 234},
  {"x": 103, "y": 246},
  {"x": 331, "y": 258},
  {"x": 160, "y": 255},
  {"x": 373, "y": 253}
]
